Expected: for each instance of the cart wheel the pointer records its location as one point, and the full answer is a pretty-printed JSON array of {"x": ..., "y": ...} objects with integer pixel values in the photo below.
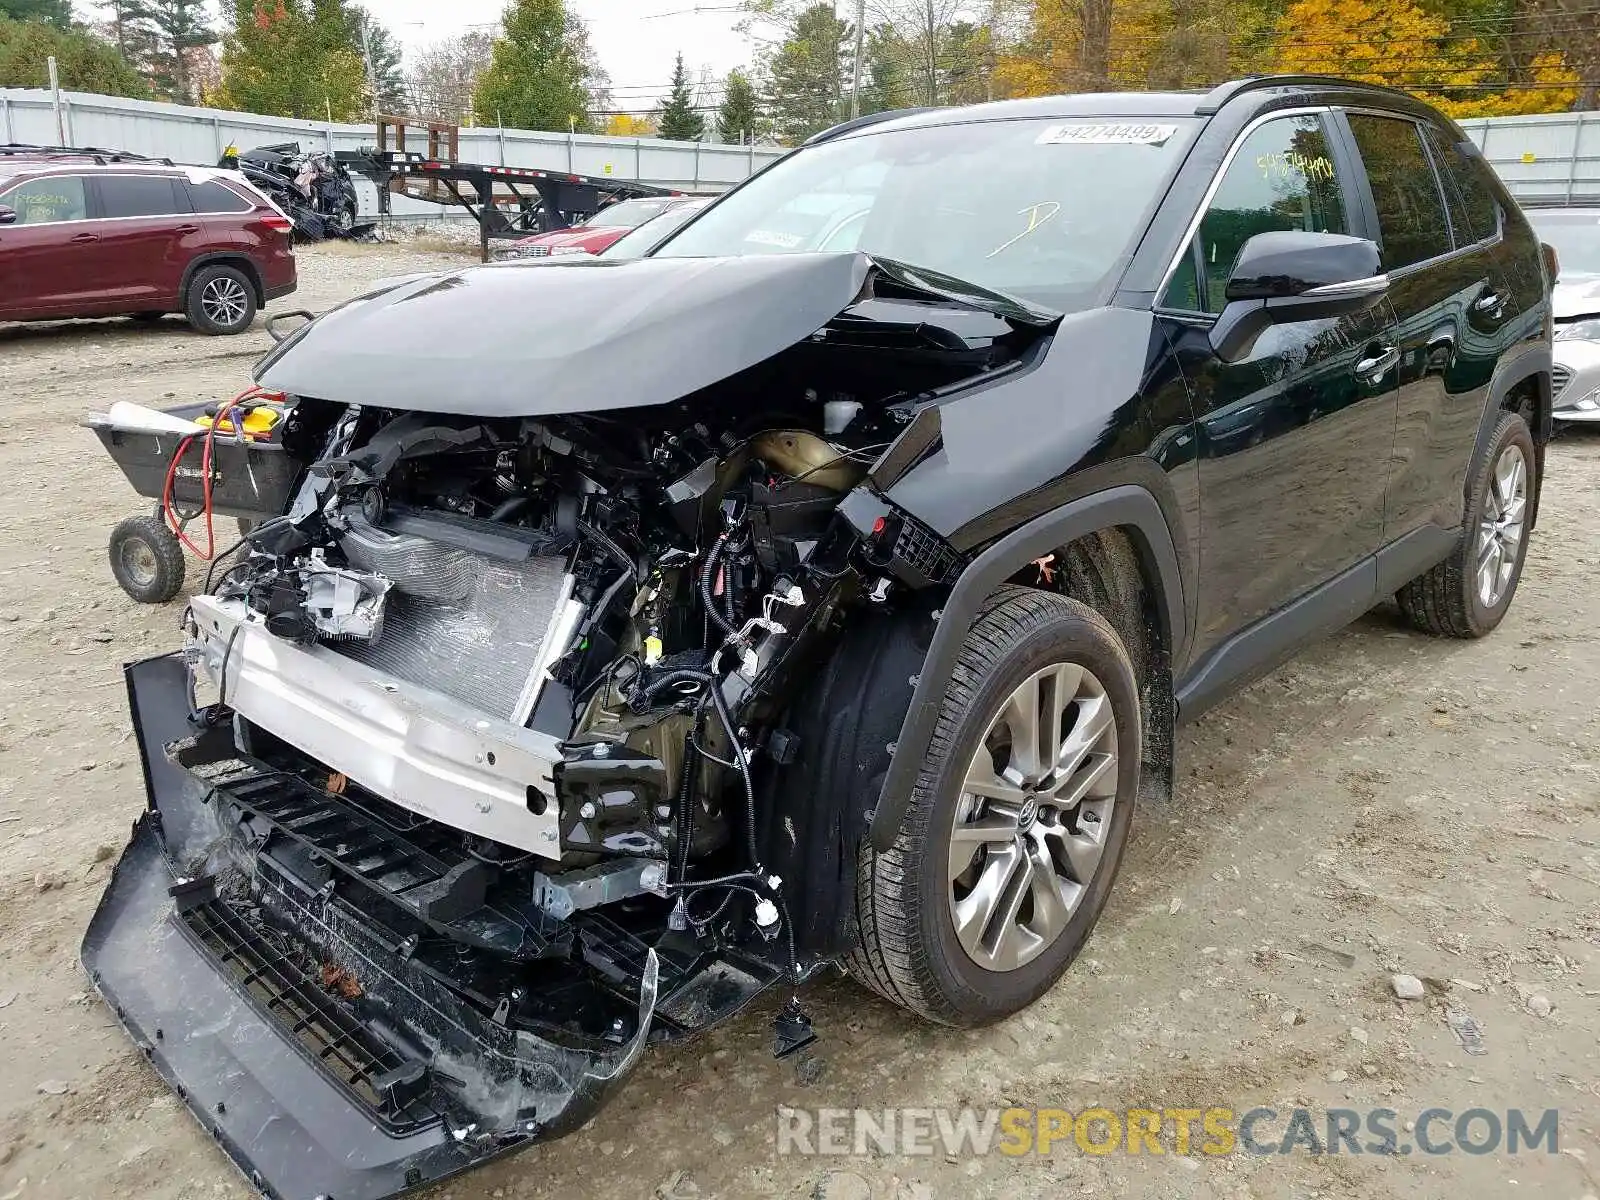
[{"x": 147, "y": 559}]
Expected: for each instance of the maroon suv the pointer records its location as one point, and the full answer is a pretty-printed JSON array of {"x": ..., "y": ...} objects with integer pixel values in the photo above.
[{"x": 86, "y": 233}]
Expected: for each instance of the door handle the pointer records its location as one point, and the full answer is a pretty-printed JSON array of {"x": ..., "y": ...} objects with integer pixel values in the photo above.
[
  {"x": 1375, "y": 366},
  {"x": 187, "y": 229},
  {"x": 1491, "y": 302},
  {"x": 84, "y": 237}
]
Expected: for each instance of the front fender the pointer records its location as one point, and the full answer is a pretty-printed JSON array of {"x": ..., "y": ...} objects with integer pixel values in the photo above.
[{"x": 1126, "y": 506}]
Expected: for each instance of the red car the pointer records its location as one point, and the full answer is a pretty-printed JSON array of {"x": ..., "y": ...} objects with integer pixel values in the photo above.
[
  {"x": 86, "y": 233},
  {"x": 599, "y": 231}
]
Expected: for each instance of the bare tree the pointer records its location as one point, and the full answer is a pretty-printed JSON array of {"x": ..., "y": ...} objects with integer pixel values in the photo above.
[
  {"x": 444, "y": 74},
  {"x": 923, "y": 26}
]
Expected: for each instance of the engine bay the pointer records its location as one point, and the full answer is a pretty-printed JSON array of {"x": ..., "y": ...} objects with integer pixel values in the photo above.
[{"x": 519, "y": 685}]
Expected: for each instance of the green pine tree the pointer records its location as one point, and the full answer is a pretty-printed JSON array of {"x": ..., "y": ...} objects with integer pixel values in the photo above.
[
  {"x": 883, "y": 76},
  {"x": 55, "y": 13},
  {"x": 174, "y": 28},
  {"x": 736, "y": 119},
  {"x": 538, "y": 78},
  {"x": 678, "y": 121},
  {"x": 806, "y": 77},
  {"x": 386, "y": 68},
  {"x": 126, "y": 26}
]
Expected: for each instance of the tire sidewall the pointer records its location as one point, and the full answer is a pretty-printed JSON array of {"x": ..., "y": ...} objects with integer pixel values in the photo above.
[
  {"x": 976, "y": 993},
  {"x": 165, "y": 551},
  {"x": 200, "y": 319},
  {"x": 1512, "y": 429}
]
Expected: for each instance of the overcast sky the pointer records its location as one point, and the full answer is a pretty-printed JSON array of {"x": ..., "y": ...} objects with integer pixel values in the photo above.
[{"x": 636, "y": 40}]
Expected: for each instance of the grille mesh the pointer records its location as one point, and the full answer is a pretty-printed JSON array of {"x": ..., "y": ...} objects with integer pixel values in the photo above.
[{"x": 1559, "y": 378}]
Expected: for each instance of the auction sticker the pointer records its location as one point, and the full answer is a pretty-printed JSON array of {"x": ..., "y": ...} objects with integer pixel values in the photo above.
[{"x": 1106, "y": 135}]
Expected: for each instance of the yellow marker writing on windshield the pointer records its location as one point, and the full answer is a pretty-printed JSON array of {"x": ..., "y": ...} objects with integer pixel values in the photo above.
[{"x": 1037, "y": 215}]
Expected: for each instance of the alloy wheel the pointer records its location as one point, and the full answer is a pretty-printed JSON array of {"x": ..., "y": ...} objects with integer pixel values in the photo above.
[
  {"x": 224, "y": 300},
  {"x": 1033, "y": 816},
  {"x": 1502, "y": 525}
]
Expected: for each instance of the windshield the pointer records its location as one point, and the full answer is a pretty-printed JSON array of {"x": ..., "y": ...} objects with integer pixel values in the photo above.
[
  {"x": 1044, "y": 209},
  {"x": 630, "y": 214},
  {"x": 1576, "y": 237},
  {"x": 636, "y": 243}
]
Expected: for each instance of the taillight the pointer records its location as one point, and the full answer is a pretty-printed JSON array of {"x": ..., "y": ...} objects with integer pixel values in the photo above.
[
  {"x": 1552, "y": 263},
  {"x": 277, "y": 222}
]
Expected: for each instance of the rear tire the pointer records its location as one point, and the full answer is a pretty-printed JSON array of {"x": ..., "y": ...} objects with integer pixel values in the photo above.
[
  {"x": 1468, "y": 594},
  {"x": 146, "y": 559},
  {"x": 927, "y": 936},
  {"x": 221, "y": 300}
]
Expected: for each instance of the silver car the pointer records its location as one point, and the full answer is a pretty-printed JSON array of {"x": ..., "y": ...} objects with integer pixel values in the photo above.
[{"x": 1575, "y": 235}]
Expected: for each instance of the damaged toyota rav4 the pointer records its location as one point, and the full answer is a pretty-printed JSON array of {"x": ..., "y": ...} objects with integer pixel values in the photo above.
[{"x": 640, "y": 637}]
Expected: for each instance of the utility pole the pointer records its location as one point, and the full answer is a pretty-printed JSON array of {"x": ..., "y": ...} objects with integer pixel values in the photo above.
[
  {"x": 855, "y": 83},
  {"x": 55, "y": 101},
  {"x": 366, "y": 57}
]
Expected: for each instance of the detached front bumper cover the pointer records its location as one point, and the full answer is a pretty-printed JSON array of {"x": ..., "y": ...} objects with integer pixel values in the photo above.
[{"x": 314, "y": 1087}]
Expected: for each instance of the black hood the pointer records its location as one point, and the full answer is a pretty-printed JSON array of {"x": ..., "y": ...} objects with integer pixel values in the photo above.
[{"x": 535, "y": 339}]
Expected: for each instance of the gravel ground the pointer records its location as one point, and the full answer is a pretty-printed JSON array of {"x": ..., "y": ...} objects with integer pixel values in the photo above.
[{"x": 1384, "y": 803}]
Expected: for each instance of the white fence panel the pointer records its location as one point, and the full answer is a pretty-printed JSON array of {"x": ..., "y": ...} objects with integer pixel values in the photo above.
[
  {"x": 199, "y": 135},
  {"x": 1552, "y": 158}
]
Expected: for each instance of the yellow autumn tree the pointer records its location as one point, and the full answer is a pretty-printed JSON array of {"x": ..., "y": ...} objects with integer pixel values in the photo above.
[
  {"x": 1410, "y": 44},
  {"x": 627, "y": 125},
  {"x": 1399, "y": 44}
]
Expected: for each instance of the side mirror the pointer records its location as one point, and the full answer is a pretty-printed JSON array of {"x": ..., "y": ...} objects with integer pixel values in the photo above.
[
  {"x": 1295, "y": 276},
  {"x": 8, "y": 215}
]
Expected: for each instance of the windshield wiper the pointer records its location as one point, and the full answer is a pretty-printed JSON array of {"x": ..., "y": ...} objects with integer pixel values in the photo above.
[{"x": 963, "y": 291}]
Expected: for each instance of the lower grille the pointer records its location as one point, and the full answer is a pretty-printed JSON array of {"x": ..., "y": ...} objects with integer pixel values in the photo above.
[
  {"x": 1560, "y": 376},
  {"x": 391, "y": 1088}
]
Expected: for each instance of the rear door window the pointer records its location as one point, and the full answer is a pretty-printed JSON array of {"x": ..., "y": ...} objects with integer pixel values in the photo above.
[
  {"x": 212, "y": 197},
  {"x": 41, "y": 201},
  {"x": 139, "y": 196},
  {"x": 1473, "y": 209},
  {"x": 1412, "y": 225},
  {"x": 1282, "y": 177}
]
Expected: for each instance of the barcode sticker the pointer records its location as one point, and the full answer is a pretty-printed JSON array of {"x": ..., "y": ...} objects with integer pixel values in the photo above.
[{"x": 1139, "y": 134}]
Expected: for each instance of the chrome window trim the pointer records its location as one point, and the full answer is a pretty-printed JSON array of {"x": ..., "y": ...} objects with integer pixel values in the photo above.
[
  {"x": 1210, "y": 194},
  {"x": 1351, "y": 287}
]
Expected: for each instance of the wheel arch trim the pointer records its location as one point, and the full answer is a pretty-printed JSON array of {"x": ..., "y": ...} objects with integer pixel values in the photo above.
[
  {"x": 1125, "y": 506},
  {"x": 1534, "y": 361}
]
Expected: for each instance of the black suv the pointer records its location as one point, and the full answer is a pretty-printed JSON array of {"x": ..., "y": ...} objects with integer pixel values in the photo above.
[{"x": 823, "y": 587}]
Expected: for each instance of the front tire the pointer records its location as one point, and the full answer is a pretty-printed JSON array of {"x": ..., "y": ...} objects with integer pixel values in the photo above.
[
  {"x": 1469, "y": 594},
  {"x": 1017, "y": 822},
  {"x": 221, "y": 300}
]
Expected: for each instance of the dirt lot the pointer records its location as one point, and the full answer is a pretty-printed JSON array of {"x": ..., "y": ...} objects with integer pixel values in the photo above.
[{"x": 1385, "y": 803}]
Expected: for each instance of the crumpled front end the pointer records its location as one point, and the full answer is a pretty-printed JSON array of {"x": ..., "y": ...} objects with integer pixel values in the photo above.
[
  {"x": 327, "y": 1049},
  {"x": 502, "y": 770}
]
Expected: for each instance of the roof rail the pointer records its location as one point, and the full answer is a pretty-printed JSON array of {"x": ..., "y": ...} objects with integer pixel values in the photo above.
[
  {"x": 1224, "y": 92},
  {"x": 100, "y": 155},
  {"x": 855, "y": 123}
]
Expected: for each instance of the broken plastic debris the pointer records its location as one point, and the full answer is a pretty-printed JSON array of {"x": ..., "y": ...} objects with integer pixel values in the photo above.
[{"x": 1467, "y": 1031}]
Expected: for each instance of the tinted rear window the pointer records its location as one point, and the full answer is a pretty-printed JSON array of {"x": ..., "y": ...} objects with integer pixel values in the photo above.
[
  {"x": 212, "y": 197},
  {"x": 1411, "y": 215},
  {"x": 139, "y": 196},
  {"x": 1473, "y": 209}
]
